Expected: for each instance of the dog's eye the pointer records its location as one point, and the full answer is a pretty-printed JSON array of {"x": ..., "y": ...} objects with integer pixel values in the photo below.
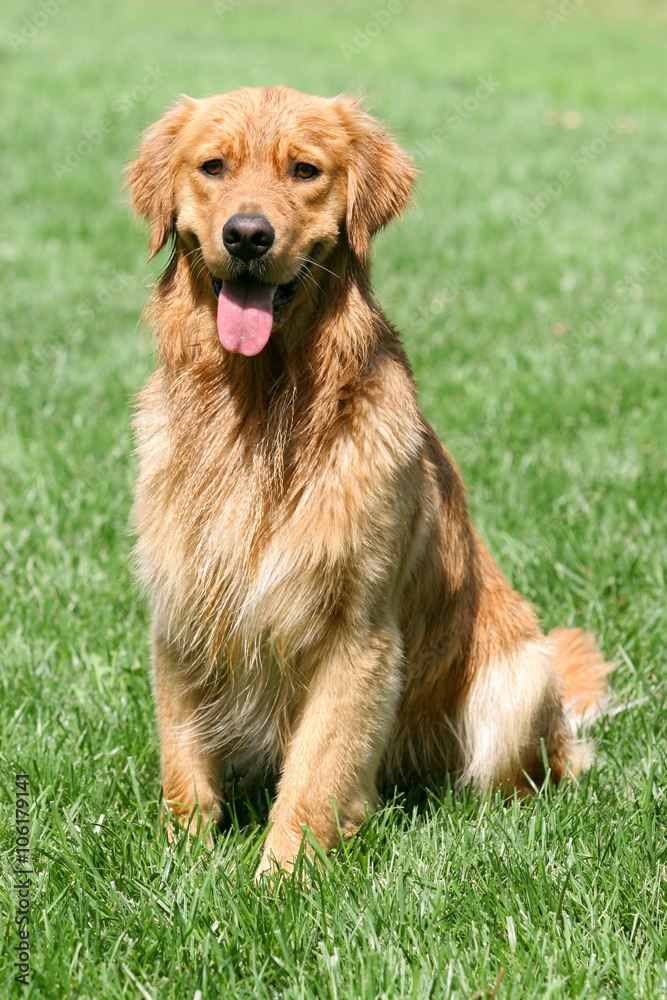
[
  {"x": 304, "y": 171},
  {"x": 213, "y": 167}
]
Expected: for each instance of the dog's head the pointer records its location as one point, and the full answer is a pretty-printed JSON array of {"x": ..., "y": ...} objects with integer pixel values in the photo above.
[{"x": 260, "y": 186}]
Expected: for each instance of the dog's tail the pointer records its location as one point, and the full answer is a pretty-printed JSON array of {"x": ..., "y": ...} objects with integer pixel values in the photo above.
[{"x": 583, "y": 671}]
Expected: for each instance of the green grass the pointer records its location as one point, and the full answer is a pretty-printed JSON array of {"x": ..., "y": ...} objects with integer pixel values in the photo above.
[{"x": 554, "y": 414}]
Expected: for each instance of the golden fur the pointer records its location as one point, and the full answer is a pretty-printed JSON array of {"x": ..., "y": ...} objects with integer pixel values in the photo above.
[{"x": 321, "y": 603}]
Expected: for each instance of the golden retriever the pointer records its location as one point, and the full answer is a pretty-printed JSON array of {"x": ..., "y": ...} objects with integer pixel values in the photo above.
[{"x": 321, "y": 604}]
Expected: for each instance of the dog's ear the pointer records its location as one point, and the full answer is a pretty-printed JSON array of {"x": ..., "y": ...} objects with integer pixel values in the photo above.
[
  {"x": 380, "y": 177},
  {"x": 150, "y": 177}
]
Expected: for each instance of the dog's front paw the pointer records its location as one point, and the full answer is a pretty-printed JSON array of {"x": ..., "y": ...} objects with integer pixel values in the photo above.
[
  {"x": 196, "y": 825},
  {"x": 281, "y": 850}
]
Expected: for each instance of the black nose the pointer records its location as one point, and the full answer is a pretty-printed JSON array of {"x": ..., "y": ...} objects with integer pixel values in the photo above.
[{"x": 247, "y": 236}]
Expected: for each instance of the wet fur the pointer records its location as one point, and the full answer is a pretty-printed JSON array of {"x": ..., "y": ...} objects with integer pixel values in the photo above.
[{"x": 321, "y": 604}]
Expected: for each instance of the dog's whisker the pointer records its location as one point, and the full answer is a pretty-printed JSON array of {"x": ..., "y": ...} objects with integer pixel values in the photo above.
[
  {"x": 309, "y": 280},
  {"x": 191, "y": 253},
  {"x": 314, "y": 263}
]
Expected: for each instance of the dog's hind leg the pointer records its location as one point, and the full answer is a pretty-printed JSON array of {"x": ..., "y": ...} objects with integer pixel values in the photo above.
[
  {"x": 336, "y": 745},
  {"x": 512, "y": 711}
]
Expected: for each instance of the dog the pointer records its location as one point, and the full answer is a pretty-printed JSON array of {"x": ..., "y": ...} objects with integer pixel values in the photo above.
[{"x": 321, "y": 605}]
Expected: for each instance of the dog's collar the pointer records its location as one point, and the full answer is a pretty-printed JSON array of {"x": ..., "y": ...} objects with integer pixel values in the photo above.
[{"x": 284, "y": 293}]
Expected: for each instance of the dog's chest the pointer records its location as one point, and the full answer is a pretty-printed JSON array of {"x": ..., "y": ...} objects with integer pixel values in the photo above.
[
  {"x": 227, "y": 557},
  {"x": 236, "y": 560}
]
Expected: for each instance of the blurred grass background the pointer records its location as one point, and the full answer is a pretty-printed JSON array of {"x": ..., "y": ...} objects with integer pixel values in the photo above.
[{"x": 529, "y": 281}]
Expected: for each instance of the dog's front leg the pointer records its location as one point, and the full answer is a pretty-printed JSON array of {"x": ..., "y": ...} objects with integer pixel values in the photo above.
[
  {"x": 336, "y": 745},
  {"x": 190, "y": 770}
]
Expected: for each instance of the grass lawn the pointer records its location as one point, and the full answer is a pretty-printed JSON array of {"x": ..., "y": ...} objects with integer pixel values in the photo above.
[{"x": 530, "y": 280}]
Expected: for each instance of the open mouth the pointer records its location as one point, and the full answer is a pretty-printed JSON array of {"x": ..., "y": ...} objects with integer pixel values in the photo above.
[{"x": 248, "y": 308}]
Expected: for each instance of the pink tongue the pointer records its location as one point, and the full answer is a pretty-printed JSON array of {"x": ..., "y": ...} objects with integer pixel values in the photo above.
[{"x": 245, "y": 316}]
